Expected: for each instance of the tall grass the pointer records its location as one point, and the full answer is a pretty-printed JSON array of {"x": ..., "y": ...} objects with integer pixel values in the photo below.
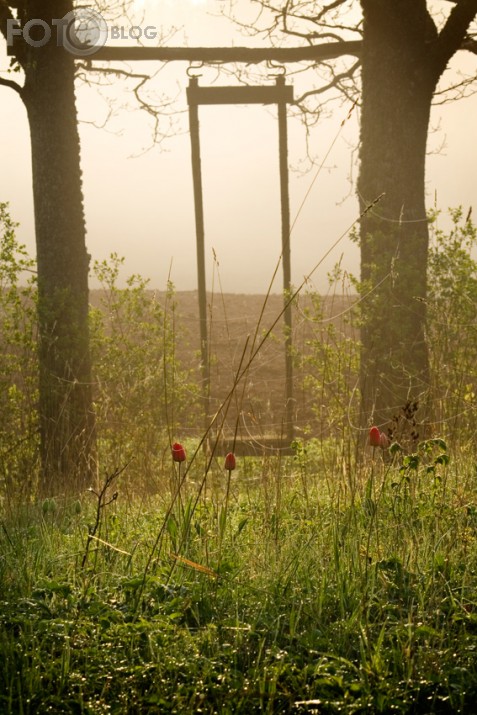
[
  {"x": 356, "y": 595},
  {"x": 342, "y": 579}
]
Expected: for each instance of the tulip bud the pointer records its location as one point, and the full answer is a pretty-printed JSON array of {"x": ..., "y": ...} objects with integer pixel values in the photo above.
[
  {"x": 374, "y": 437},
  {"x": 178, "y": 452},
  {"x": 383, "y": 440},
  {"x": 230, "y": 461}
]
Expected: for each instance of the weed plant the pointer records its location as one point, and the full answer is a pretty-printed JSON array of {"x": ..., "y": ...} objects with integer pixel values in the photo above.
[
  {"x": 18, "y": 364},
  {"x": 452, "y": 324},
  {"x": 143, "y": 393}
]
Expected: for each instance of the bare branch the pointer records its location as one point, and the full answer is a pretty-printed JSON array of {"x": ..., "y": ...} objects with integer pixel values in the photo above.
[
  {"x": 327, "y": 8},
  {"x": 327, "y": 29},
  {"x": 161, "y": 111},
  {"x": 313, "y": 35},
  {"x": 335, "y": 83},
  {"x": 466, "y": 87},
  {"x": 12, "y": 85}
]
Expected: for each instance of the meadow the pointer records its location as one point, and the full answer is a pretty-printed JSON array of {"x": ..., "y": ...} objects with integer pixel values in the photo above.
[
  {"x": 294, "y": 585},
  {"x": 339, "y": 579}
]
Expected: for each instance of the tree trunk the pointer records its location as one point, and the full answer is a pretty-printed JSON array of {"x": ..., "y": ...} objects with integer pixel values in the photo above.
[
  {"x": 397, "y": 89},
  {"x": 65, "y": 404}
]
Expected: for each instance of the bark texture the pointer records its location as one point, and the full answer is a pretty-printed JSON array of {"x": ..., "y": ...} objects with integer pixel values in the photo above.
[
  {"x": 66, "y": 413},
  {"x": 399, "y": 77}
]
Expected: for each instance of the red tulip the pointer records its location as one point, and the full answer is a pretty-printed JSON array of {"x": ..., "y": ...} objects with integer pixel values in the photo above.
[
  {"x": 230, "y": 461},
  {"x": 383, "y": 440},
  {"x": 374, "y": 437},
  {"x": 178, "y": 452}
]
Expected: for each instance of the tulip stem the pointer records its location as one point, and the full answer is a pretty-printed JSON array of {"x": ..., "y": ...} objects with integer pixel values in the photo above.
[
  {"x": 223, "y": 518},
  {"x": 179, "y": 487}
]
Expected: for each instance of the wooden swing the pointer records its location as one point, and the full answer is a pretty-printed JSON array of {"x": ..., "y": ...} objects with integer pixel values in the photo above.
[{"x": 280, "y": 94}]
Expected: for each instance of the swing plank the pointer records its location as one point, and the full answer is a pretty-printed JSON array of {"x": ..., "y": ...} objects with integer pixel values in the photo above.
[{"x": 274, "y": 94}]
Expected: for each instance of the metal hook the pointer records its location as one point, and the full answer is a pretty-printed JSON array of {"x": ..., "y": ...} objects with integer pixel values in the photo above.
[
  {"x": 276, "y": 66},
  {"x": 192, "y": 69}
]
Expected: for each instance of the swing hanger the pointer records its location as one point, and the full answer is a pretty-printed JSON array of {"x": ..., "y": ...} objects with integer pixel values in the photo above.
[
  {"x": 193, "y": 69},
  {"x": 282, "y": 70}
]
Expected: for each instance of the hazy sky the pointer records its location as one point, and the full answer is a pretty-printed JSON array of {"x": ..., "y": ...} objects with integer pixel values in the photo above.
[{"x": 140, "y": 203}]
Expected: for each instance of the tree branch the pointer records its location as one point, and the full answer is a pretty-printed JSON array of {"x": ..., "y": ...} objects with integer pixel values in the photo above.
[
  {"x": 248, "y": 55},
  {"x": 335, "y": 82},
  {"x": 453, "y": 35},
  {"x": 12, "y": 85},
  {"x": 469, "y": 44},
  {"x": 327, "y": 8}
]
